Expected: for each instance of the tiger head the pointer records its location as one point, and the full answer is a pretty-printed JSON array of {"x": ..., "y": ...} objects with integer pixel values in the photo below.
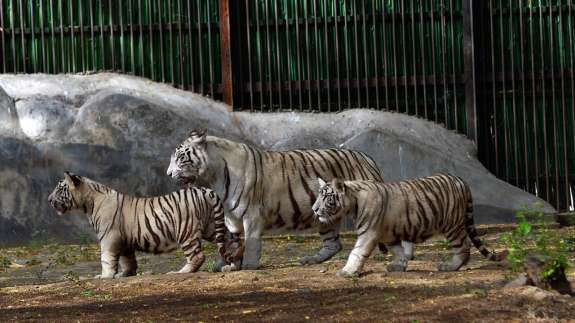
[
  {"x": 67, "y": 194},
  {"x": 190, "y": 160},
  {"x": 332, "y": 202}
]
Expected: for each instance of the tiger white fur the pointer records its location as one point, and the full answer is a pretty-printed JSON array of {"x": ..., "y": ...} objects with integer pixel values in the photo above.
[
  {"x": 125, "y": 224},
  {"x": 412, "y": 210},
  {"x": 267, "y": 189}
]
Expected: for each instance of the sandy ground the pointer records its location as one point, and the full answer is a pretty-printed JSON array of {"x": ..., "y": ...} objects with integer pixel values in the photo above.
[{"x": 49, "y": 282}]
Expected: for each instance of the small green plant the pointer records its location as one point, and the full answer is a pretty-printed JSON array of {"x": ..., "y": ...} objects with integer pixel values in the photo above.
[
  {"x": 533, "y": 236},
  {"x": 209, "y": 265},
  {"x": 5, "y": 263}
]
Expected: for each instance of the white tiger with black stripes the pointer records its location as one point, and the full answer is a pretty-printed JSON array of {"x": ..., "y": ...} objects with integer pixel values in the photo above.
[
  {"x": 412, "y": 210},
  {"x": 126, "y": 224},
  {"x": 267, "y": 189}
]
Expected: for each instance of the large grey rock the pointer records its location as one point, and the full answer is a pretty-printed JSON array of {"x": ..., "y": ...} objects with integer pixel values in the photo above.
[{"x": 121, "y": 130}]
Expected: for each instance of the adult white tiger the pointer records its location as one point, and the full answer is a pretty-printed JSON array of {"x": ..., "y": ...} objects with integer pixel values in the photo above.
[{"x": 267, "y": 189}]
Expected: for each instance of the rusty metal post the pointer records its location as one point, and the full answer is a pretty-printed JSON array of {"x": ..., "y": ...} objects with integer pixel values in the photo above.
[
  {"x": 229, "y": 29},
  {"x": 469, "y": 69}
]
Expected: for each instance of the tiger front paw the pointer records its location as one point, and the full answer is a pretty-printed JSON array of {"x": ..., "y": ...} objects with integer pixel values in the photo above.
[
  {"x": 347, "y": 274},
  {"x": 396, "y": 267}
]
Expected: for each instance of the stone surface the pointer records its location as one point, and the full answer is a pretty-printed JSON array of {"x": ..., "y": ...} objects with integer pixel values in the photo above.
[{"x": 121, "y": 130}]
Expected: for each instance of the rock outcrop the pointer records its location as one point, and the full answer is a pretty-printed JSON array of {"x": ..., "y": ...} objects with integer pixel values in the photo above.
[{"x": 121, "y": 130}]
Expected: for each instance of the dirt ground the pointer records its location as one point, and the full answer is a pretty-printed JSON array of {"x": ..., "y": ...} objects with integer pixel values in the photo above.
[{"x": 50, "y": 282}]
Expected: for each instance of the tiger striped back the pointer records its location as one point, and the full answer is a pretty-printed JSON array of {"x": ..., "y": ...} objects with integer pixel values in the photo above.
[
  {"x": 411, "y": 210},
  {"x": 125, "y": 224}
]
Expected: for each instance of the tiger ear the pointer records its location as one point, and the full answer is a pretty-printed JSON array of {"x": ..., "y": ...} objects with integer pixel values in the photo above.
[
  {"x": 338, "y": 184},
  {"x": 321, "y": 182},
  {"x": 198, "y": 135},
  {"x": 72, "y": 180}
]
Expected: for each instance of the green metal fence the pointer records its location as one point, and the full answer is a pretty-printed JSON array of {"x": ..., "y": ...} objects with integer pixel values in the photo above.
[
  {"x": 527, "y": 120},
  {"x": 499, "y": 71},
  {"x": 175, "y": 42}
]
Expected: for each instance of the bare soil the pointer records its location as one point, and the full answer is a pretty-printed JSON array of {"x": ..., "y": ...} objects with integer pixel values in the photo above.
[{"x": 50, "y": 282}]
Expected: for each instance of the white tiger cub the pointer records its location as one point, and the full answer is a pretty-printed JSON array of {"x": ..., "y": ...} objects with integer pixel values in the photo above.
[
  {"x": 125, "y": 224},
  {"x": 411, "y": 210}
]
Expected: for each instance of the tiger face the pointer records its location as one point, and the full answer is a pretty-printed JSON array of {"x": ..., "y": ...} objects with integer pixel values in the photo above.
[
  {"x": 190, "y": 160},
  {"x": 63, "y": 199},
  {"x": 331, "y": 204}
]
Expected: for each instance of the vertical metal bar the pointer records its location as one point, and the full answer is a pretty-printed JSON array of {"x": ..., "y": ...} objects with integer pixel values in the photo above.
[
  {"x": 327, "y": 55},
  {"x": 112, "y": 47},
  {"x": 317, "y": 61},
  {"x": 563, "y": 33},
  {"x": 553, "y": 107},
  {"x": 141, "y": 28},
  {"x": 121, "y": 18},
  {"x": 357, "y": 68},
  {"x": 444, "y": 65},
  {"x": 2, "y": 31},
  {"x": 384, "y": 58},
  {"x": 277, "y": 49},
  {"x": 102, "y": 50},
  {"x": 469, "y": 69},
  {"x": 523, "y": 105},
  {"x": 190, "y": 48},
  {"x": 33, "y": 36},
  {"x": 394, "y": 49},
  {"x": 82, "y": 56},
  {"x": 72, "y": 41},
  {"x": 22, "y": 35},
  {"x": 414, "y": 59},
  {"x": 513, "y": 91},
  {"x": 542, "y": 51},
  {"x": 299, "y": 67},
  {"x": 375, "y": 53},
  {"x": 268, "y": 46},
  {"x": 308, "y": 51},
  {"x": 347, "y": 55},
  {"x": 404, "y": 58},
  {"x": 454, "y": 67},
  {"x": 53, "y": 40},
  {"x": 494, "y": 87},
  {"x": 424, "y": 58},
  {"x": 433, "y": 69},
  {"x": 210, "y": 54},
  {"x": 92, "y": 35},
  {"x": 132, "y": 53},
  {"x": 289, "y": 57},
  {"x": 13, "y": 34},
  {"x": 227, "y": 63},
  {"x": 2, "y": 37},
  {"x": 337, "y": 58},
  {"x": 180, "y": 16},
  {"x": 161, "y": 33},
  {"x": 365, "y": 56},
  {"x": 249, "y": 45},
  {"x": 260, "y": 56},
  {"x": 572, "y": 74},
  {"x": 171, "y": 46},
  {"x": 504, "y": 76},
  {"x": 151, "y": 35},
  {"x": 534, "y": 98},
  {"x": 42, "y": 37}
]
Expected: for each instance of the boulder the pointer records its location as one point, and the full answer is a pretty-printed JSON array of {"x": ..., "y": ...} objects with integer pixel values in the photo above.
[{"x": 121, "y": 130}]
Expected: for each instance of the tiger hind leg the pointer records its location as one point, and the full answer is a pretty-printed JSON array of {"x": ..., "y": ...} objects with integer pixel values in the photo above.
[
  {"x": 460, "y": 248},
  {"x": 400, "y": 260},
  {"x": 194, "y": 257},
  {"x": 407, "y": 249},
  {"x": 331, "y": 246},
  {"x": 129, "y": 265}
]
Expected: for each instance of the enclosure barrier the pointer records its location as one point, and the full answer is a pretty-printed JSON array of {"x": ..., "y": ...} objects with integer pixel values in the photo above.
[{"x": 500, "y": 72}]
